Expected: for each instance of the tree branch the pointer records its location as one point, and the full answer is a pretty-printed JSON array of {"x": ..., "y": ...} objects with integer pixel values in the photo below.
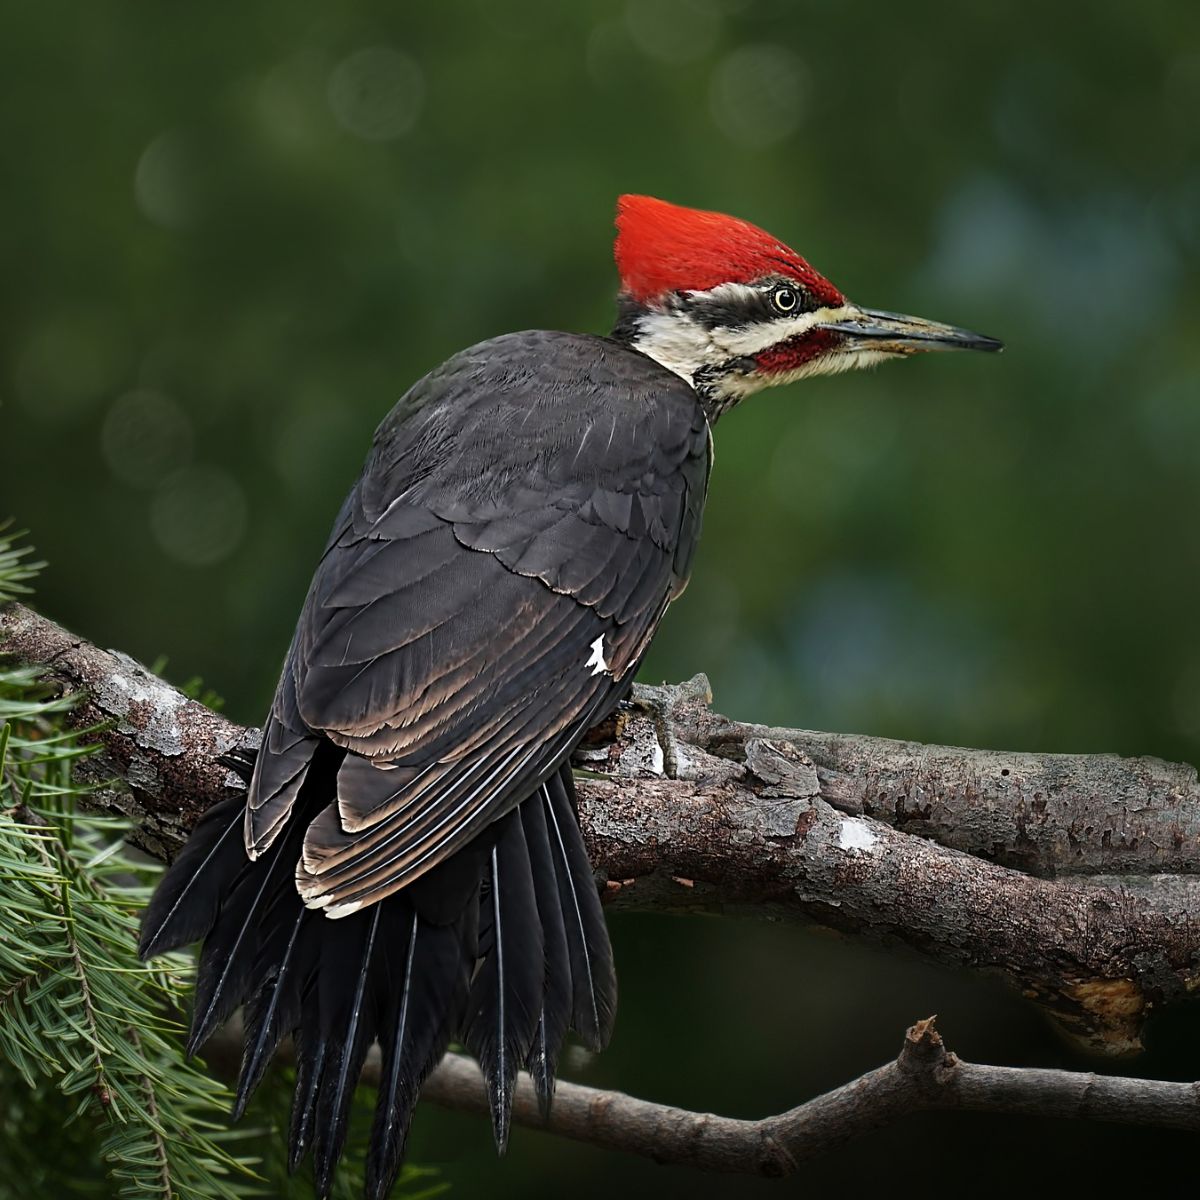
[
  {"x": 925, "y": 1077},
  {"x": 1073, "y": 876}
]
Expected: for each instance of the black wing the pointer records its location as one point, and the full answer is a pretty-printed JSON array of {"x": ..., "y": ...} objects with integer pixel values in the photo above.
[{"x": 492, "y": 582}]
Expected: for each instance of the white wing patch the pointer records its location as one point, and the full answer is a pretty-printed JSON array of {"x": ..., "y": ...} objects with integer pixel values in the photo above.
[{"x": 596, "y": 662}]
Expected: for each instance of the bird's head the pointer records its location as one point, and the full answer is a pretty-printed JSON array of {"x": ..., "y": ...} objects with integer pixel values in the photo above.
[{"x": 732, "y": 310}]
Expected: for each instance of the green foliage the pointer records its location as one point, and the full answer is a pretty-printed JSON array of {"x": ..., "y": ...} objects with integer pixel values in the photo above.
[
  {"x": 16, "y": 568},
  {"x": 89, "y": 1036},
  {"x": 86, "y": 1034}
]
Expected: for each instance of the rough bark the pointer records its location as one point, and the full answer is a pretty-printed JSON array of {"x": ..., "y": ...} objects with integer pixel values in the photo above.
[
  {"x": 156, "y": 757},
  {"x": 1073, "y": 876},
  {"x": 924, "y": 1077}
]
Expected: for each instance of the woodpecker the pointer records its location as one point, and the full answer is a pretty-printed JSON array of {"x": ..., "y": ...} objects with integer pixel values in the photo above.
[{"x": 405, "y": 865}]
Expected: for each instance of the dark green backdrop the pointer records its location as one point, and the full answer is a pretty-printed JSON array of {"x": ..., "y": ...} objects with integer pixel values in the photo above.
[{"x": 233, "y": 234}]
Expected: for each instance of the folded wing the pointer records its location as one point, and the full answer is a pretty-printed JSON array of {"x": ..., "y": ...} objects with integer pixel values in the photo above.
[{"x": 468, "y": 623}]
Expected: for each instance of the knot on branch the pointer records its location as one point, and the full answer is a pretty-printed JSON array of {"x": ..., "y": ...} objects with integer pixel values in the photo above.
[{"x": 923, "y": 1057}]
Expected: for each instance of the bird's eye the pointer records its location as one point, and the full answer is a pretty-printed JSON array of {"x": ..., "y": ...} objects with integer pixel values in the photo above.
[{"x": 785, "y": 299}]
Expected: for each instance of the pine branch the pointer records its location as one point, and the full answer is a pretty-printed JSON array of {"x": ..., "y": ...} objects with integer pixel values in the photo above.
[
  {"x": 77, "y": 1010},
  {"x": 48, "y": 850},
  {"x": 17, "y": 568}
]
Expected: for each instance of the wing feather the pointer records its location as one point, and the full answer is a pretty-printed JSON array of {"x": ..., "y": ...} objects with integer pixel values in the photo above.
[{"x": 491, "y": 584}]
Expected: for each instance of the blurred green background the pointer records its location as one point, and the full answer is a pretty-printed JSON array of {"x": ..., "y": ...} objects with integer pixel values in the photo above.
[{"x": 233, "y": 235}]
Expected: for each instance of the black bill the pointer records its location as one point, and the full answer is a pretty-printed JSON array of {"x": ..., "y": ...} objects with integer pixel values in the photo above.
[{"x": 895, "y": 333}]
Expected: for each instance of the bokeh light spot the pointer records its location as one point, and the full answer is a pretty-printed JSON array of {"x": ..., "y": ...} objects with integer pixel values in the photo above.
[
  {"x": 165, "y": 182},
  {"x": 290, "y": 103},
  {"x": 318, "y": 430},
  {"x": 377, "y": 93},
  {"x": 198, "y": 515},
  {"x": 68, "y": 365},
  {"x": 673, "y": 31},
  {"x": 145, "y": 437},
  {"x": 757, "y": 95}
]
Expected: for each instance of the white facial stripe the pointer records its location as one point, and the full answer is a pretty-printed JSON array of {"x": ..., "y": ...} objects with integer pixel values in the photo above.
[
  {"x": 729, "y": 293},
  {"x": 676, "y": 341},
  {"x": 738, "y": 387},
  {"x": 674, "y": 338},
  {"x": 753, "y": 339},
  {"x": 682, "y": 344}
]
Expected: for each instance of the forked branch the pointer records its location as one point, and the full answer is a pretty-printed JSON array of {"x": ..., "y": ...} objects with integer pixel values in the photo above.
[{"x": 924, "y": 1077}]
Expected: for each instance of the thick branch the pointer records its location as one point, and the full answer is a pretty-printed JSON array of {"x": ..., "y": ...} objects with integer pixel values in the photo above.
[
  {"x": 892, "y": 841},
  {"x": 157, "y": 757}
]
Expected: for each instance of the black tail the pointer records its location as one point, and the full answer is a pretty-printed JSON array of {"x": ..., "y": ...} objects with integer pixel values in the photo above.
[{"x": 503, "y": 946}]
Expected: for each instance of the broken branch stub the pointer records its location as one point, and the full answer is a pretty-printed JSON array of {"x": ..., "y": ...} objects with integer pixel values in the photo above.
[{"x": 748, "y": 822}]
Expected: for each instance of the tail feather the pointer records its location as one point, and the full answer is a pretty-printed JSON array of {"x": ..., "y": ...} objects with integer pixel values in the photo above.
[
  {"x": 273, "y": 1011},
  {"x": 185, "y": 906},
  {"x": 509, "y": 986},
  {"x": 593, "y": 977},
  {"x": 351, "y": 1030},
  {"x": 426, "y": 988},
  {"x": 311, "y": 1052},
  {"x": 503, "y": 945},
  {"x": 232, "y": 961},
  {"x": 327, "y": 1012},
  {"x": 555, "y": 1016},
  {"x": 398, "y": 1082}
]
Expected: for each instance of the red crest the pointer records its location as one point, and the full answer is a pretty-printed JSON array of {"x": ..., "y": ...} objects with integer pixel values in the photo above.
[{"x": 664, "y": 248}]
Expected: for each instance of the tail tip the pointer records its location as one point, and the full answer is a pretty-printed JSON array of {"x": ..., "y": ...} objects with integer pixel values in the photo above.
[
  {"x": 501, "y": 1136},
  {"x": 296, "y": 1152},
  {"x": 198, "y": 1036},
  {"x": 500, "y": 1101}
]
